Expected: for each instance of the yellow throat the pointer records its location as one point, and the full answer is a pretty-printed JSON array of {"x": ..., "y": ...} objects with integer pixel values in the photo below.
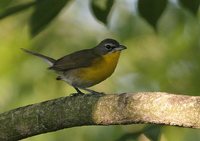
[{"x": 100, "y": 69}]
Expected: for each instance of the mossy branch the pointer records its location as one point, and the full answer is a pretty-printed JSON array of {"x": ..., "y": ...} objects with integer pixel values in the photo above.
[{"x": 71, "y": 111}]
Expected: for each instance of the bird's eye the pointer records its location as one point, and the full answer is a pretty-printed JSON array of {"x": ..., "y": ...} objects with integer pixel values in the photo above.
[{"x": 109, "y": 47}]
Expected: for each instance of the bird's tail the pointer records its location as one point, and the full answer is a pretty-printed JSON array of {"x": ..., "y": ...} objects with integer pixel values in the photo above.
[{"x": 49, "y": 60}]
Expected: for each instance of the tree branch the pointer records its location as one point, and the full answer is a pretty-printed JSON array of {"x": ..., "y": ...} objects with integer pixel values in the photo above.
[{"x": 71, "y": 111}]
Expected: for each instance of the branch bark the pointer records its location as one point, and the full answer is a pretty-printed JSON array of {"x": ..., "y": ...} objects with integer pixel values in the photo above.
[{"x": 71, "y": 111}]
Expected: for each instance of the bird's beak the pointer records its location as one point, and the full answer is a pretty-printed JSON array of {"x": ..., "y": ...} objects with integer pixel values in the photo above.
[{"x": 121, "y": 47}]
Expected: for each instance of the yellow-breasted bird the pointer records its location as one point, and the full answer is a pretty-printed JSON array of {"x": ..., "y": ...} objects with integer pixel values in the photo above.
[{"x": 88, "y": 67}]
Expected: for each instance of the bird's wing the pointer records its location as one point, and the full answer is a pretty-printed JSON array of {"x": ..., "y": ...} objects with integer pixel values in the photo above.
[{"x": 75, "y": 60}]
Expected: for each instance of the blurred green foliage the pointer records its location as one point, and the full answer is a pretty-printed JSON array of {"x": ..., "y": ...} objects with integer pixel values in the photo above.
[
  {"x": 101, "y": 9},
  {"x": 166, "y": 60},
  {"x": 152, "y": 10},
  {"x": 45, "y": 11},
  {"x": 191, "y": 6}
]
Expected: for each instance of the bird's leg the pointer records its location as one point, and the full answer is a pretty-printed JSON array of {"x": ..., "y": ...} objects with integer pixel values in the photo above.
[
  {"x": 92, "y": 91},
  {"x": 78, "y": 92},
  {"x": 73, "y": 94}
]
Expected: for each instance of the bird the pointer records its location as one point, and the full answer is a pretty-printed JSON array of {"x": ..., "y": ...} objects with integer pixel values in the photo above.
[{"x": 85, "y": 68}]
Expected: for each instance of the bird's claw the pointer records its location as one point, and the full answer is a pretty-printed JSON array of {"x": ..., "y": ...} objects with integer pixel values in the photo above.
[
  {"x": 98, "y": 93},
  {"x": 76, "y": 94}
]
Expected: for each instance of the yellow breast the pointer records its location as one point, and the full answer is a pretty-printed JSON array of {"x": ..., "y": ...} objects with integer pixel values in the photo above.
[{"x": 100, "y": 69}]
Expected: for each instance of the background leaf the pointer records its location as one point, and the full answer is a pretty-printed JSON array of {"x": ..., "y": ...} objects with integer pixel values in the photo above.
[
  {"x": 153, "y": 132},
  {"x": 101, "y": 9},
  {"x": 191, "y": 5},
  {"x": 14, "y": 9},
  {"x": 129, "y": 136},
  {"x": 45, "y": 12},
  {"x": 151, "y": 10},
  {"x": 4, "y": 4}
]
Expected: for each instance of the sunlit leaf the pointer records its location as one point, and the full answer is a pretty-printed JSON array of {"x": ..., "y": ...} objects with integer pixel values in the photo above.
[
  {"x": 101, "y": 9},
  {"x": 151, "y": 10},
  {"x": 45, "y": 11},
  {"x": 14, "y": 9},
  {"x": 191, "y": 5},
  {"x": 153, "y": 132}
]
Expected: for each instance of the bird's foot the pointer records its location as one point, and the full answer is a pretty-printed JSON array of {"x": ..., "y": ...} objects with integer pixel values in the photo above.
[
  {"x": 77, "y": 94},
  {"x": 94, "y": 92},
  {"x": 98, "y": 93}
]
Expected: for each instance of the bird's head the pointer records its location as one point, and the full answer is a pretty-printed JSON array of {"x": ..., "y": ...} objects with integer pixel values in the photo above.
[{"x": 108, "y": 46}]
